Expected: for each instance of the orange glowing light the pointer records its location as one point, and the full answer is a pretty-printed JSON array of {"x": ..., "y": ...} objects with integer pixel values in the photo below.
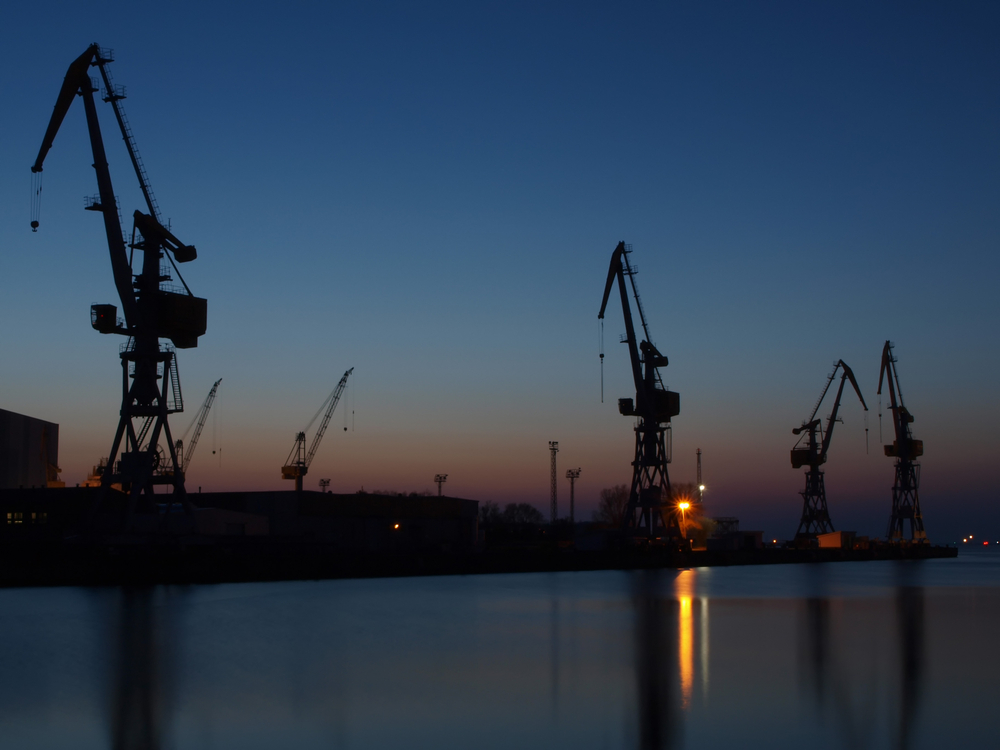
[
  {"x": 684, "y": 589},
  {"x": 395, "y": 526},
  {"x": 686, "y": 649},
  {"x": 684, "y": 505}
]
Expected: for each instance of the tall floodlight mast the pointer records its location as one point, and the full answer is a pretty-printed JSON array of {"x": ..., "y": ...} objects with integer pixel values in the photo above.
[
  {"x": 701, "y": 484},
  {"x": 811, "y": 450},
  {"x": 572, "y": 475},
  {"x": 553, "y": 486},
  {"x": 905, "y": 499},
  {"x": 153, "y": 308},
  {"x": 648, "y": 512}
]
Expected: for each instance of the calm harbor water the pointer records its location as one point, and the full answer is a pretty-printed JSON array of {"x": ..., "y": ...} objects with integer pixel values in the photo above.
[{"x": 858, "y": 655}]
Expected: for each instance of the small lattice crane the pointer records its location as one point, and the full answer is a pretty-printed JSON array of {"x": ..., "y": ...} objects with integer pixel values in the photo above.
[
  {"x": 297, "y": 464},
  {"x": 184, "y": 457},
  {"x": 811, "y": 451},
  {"x": 905, "y": 499}
]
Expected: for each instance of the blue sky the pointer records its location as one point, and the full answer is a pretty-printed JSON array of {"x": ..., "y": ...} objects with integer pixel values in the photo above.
[{"x": 430, "y": 193}]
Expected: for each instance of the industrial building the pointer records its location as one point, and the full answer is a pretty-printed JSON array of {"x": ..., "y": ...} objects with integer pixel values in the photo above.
[
  {"x": 29, "y": 452},
  {"x": 357, "y": 523}
]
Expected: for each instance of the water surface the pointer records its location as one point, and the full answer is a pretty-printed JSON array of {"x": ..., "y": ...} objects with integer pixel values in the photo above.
[{"x": 848, "y": 655}]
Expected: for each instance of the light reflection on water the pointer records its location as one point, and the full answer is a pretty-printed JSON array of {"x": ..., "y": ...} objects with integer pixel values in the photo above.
[{"x": 873, "y": 655}]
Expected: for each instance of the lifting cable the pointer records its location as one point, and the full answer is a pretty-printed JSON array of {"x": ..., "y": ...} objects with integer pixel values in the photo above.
[
  {"x": 36, "y": 199},
  {"x": 880, "y": 419},
  {"x": 600, "y": 346},
  {"x": 866, "y": 432}
]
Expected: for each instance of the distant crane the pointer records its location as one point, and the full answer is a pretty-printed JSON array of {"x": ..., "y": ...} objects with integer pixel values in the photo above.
[
  {"x": 297, "y": 464},
  {"x": 198, "y": 424},
  {"x": 812, "y": 453},
  {"x": 150, "y": 382},
  {"x": 648, "y": 512},
  {"x": 905, "y": 500}
]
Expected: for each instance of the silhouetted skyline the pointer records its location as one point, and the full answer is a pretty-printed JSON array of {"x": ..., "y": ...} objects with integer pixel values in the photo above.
[{"x": 430, "y": 195}]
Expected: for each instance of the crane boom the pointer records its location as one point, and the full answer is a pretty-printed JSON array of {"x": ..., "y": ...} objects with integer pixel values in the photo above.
[
  {"x": 334, "y": 400},
  {"x": 904, "y": 445},
  {"x": 77, "y": 80},
  {"x": 199, "y": 425},
  {"x": 616, "y": 271},
  {"x": 847, "y": 375}
]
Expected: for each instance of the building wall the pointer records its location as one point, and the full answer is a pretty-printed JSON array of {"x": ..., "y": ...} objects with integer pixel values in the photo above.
[
  {"x": 26, "y": 446},
  {"x": 359, "y": 523}
]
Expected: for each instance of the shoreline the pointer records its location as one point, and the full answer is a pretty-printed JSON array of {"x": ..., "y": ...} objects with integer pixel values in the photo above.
[{"x": 172, "y": 562}]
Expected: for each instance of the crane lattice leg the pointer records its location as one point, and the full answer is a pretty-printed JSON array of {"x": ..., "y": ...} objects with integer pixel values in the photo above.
[
  {"x": 648, "y": 513},
  {"x": 906, "y": 503},
  {"x": 815, "y": 515}
]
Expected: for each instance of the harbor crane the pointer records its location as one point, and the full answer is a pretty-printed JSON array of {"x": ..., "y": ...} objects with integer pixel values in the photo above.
[
  {"x": 648, "y": 512},
  {"x": 905, "y": 497},
  {"x": 811, "y": 451},
  {"x": 297, "y": 464},
  {"x": 184, "y": 457},
  {"x": 154, "y": 307}
]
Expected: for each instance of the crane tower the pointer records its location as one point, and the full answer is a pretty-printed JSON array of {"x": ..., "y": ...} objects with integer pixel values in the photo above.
[
  {"x": 648, "y": 513},
  {"x": 153, "y": 305},
  {"x": 811, "y": 450},
  {"x": 905, "y": 498}
]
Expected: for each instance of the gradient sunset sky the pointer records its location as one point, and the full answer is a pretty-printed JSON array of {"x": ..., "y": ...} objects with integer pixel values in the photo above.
[{"x": 430, "y": 193}]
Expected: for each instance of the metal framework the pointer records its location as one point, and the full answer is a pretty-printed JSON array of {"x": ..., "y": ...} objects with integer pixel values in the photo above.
[
  {"x": 572, "y": 475},
  {"x": 815, "y": 513},
  {"x": 553, "y": 485},
  {"x": 440, "y": 479},
  {"x": 701, "y": 484},
  {"x": 649, "y": 513},
  {"x": 905, "y": 497},
  {"x": 152, "y": 310}
]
